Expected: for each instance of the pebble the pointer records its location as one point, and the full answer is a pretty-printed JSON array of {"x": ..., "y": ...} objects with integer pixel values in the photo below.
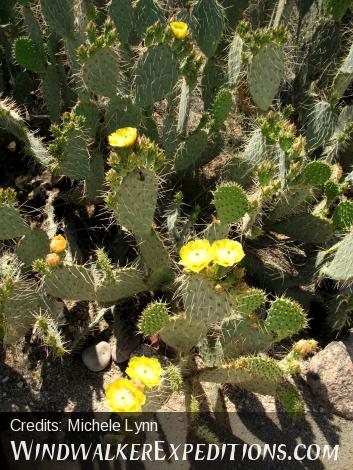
[
  {"x": 20, "y": 384},
  {"x": 97, "y": 357},
  {"x": 5, "y": 379}
]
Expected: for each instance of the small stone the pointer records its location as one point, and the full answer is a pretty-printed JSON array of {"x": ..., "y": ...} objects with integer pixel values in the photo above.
[
  {"x": 330, "y": 377},
  {"x": 5, "y": 379},
  {"x": 20, "y": 384},
  {"x": 97, "y": 357}
]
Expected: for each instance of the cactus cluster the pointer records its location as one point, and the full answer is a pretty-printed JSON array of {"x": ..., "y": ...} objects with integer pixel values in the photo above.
[{"x": 199, "y": 159}]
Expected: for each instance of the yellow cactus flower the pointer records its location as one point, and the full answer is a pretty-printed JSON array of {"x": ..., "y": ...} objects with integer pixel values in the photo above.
[
  {"x": 58, "y": 244},
  {"x": 146, "y": 370},
  {"x": 123, "y": 138},
  {"x": 196, "y": 255},
  {"x": 53, "y": 260},
  {"x": 179, "y": 29},
  {"x": 227, "y": 252},
  {"x": 123, "y": 396}
]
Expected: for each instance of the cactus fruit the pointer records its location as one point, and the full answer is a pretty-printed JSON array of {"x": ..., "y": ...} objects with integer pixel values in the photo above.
[
  {"x": 231, "y": 203},
  {"x": 153, "y": 318},
  {"x": 285, "y": 318}
]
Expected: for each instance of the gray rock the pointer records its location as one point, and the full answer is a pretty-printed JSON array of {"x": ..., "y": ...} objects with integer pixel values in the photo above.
[
  {"x": 97, "y": 357},
  {"x": 330, "y": 377}
]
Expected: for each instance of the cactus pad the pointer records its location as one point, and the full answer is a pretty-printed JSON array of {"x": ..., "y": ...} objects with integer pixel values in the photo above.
[
  {"x": 126, "y": 283},
  {"x": 265, "y": 75},
  {"x": 74, "y": 161},
  {"x": 153, "y": 318},
  {"x": 137, "y": 200},
  {"x": 182, "y": 333},
  {"x": 305, "y": 228},
  {"x": 235, "y": 61},
  {"x": 289, "y": 398},
  {"x": 11, "y": 223},
  {"x": 342, "y": 216},
  {"x": 231, "y": 203},
  {"x": 59, "y": 16},
  {"x": 147, "y": 12},
  {"x": 222, "y": 106},
  {"x": 207, "y": 23},
  {"x": 101, "y": 72},
  {"x": 285, "y": 318},
  {"x": 247, "y": 301},
  {"x": 201, "y": 301},
  {"x": 316, "y": 173},
  {"x": 190, "y": 152},
  {"x": 35, "y": 245},
  {"x": 122, "y": 112},
  {"x": 320, "y": 125},
  {"x": 121, "y": 12},
  {"x": 28, "y": 55},
  {"x": 156, "y": 75},
  {"x": 339, "y": 269},
  {"x": 70, "y": 283}
]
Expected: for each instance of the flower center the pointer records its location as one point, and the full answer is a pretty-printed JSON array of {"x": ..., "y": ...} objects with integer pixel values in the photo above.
[{"x": 124, "y": 398}]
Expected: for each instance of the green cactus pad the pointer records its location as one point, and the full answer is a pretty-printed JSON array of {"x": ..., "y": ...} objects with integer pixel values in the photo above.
[
  {"x": 257, "y": 149},
  {"x": 155, "y": 255},
  {"x": 207, "y": 23},
  {"x": 344, "y": 76},
  {"x": 89, "y": 110},
  {"x": 339, "y": 269},
  {"x": 285, "y": 318},
  {"x": 332, "y": 190},
  {"x": 216, "y": 231},
  {"x": 255, "y": 373},
  {"x": 28, "y": 55},
  {"x": 19, "y": 309},
  {"x": 316, "y": 173},
  {"x": 182, "y": 333},
  {"x": 70, "y": 283},
  {"x": 11, "y": 121},
  {"x": 212, "y": 79},
  {"x": 222, "y": 106},
  {"x": 156, "y": 75},
  {"x": 265, "y": 75},
  {"x": 337, "y": 8},
  {"x": 101, "y": 72},
  {"x": 201, "y": 301},
  {"x": 305, "y": 228},
  {"x": 94, "y": 181},
  {"x": 247, "y": 301},
  {"x": 121, "y": 12},
  {"x": 289, "y": 398},
  {"x": 137, "y": 201},
  {"x": 320, "y": 125},
  {"x": 235, "y": 62},
  {"x": 147, "y": 13},
  {"x": 153, "y": 318},
  {"x": 59, "y": 15},
  {"x": 11, "y": 223},
  {"x": 342, "y": 216},
  {"x": 190, "y": 152},
  {"x": 244, "y": 336},
  {"x": 210, "y": 351},
  {"x": 37, "y": 150},
  {"x": 35, "y": 245},
  {"x": 74, "y": 161},
  {"x": 51, "y": 87},
  {"x": 126, "y": 283},
  {"x": 122, "y": 112},
  {"x": 291, "y": 201},
  {"x": 231, "y": 203}
]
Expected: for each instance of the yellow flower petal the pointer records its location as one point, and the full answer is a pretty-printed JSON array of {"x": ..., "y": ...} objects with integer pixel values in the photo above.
[
  {"x": 227, "y": 252},
  {"x": 58, "y": 244},
  {"x": 179, "y": 29},
  {"x": 147, "y": 370},
  {"x": 124, "y": 137},
  {"x": 123, "y": 397},
  {"x": 196, "y": 255}
]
